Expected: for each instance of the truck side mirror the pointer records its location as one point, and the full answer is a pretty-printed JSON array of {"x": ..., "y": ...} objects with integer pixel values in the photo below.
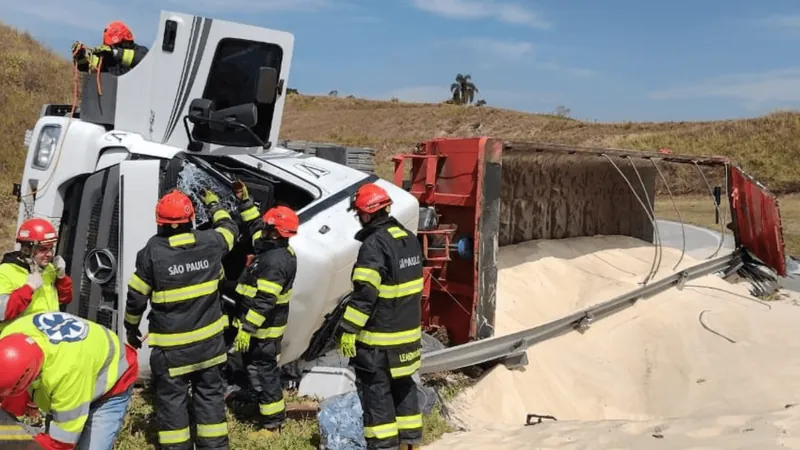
[
  {"x": 246, "y": 115},
  {"x": 200, "y": 108},
  {"x": 267, "y": 87}
]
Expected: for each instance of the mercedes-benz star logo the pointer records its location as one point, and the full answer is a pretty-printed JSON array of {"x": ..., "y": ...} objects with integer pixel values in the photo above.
[{"x": 100, "y": 265}]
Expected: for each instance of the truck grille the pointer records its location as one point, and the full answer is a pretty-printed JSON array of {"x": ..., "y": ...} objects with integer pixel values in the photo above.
[{"x": 96, "y": 228}]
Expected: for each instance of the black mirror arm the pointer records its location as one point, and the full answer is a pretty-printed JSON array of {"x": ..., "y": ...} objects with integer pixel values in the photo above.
[{"x": 227, "y": 123}]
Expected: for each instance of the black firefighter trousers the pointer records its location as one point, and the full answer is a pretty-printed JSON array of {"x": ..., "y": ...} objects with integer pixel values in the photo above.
[
  {"x": 172, "y": 406},
  {"x": 261, "y": 361},
  {"x": 392, "y": 415}
]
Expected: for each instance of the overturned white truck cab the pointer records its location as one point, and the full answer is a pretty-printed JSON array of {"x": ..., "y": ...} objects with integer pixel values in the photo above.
[{"x": 203, "y": 108}]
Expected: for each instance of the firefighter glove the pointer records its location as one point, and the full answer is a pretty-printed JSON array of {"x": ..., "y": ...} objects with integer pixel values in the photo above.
[
  {"x": 78, "y": 50},
  {"x": 135, "y": 337},
  {"x": 35, "y": 280},
  {"x": 60, "y": 265},
  {"x": 347, "y": 345},
  {"x": 240, "y": 190},
  {"x": 102, "y": 49},
  {"x": 209, "y": 197},
  {"x": 242, "y": 341}
]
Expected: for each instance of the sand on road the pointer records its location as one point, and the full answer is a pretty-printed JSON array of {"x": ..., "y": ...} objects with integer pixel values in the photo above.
[{"x": 654, "y": 364}]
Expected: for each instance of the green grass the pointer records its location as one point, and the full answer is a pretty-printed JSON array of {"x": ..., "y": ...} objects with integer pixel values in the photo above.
[{"x": 139, "y": 430}]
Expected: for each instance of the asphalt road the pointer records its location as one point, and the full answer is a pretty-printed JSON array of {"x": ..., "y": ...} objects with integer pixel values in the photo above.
[{"x": 702, "y": 242}]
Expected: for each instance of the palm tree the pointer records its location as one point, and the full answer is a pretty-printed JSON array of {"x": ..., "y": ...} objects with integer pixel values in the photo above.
[{"x": 463, "y": 89}]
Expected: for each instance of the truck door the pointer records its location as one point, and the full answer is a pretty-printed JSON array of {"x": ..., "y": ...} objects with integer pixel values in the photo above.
[
  {"x": 194, "y": 57},
  {"x": 757, "y": 220},
  {"x": 138, "y": 195},
  {"x": 111, "y": 221}
]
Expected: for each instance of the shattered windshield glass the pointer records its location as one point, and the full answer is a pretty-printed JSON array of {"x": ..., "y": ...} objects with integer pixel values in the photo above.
[{"x": 193, "y": 179}]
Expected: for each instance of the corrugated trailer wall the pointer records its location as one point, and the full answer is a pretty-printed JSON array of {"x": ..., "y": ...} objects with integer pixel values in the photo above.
[{"x": 550, "y": 195}]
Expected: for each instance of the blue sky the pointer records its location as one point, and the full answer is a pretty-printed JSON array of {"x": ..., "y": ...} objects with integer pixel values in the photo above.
[{"x": 609, "y": 60}]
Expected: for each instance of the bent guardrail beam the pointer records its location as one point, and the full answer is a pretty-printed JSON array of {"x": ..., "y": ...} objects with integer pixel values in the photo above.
[{"x": 511, "y": 345}]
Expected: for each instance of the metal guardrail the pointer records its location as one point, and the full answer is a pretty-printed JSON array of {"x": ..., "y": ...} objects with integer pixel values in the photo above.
[{"x": 514, "y": 345}]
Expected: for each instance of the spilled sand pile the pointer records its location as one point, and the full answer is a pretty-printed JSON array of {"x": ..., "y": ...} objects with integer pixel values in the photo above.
[{"x": 649, "y": 363}]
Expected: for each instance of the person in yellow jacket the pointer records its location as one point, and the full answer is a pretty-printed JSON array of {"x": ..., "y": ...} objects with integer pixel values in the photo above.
[
  {"x": 74, "y": 369},
  {"x": 32, "y": 280}
]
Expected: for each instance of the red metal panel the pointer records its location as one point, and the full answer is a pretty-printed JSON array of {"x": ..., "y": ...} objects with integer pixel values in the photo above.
[
  {"x": 757, "y": 220},
  {"x": 449, "y": 174}
]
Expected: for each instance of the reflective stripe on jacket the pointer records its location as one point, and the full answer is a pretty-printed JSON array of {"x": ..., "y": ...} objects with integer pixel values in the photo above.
[
  {"x": 82, "y": 362},
  {"x": 14, "y": 275},
  {"x": 266, "y": 285},
  {"x": 384, "y": 310},
  {"x": 180, "y": 275}
]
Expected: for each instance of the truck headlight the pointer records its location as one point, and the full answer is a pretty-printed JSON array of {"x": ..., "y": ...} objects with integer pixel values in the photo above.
[{"x": 46, "y": 146}]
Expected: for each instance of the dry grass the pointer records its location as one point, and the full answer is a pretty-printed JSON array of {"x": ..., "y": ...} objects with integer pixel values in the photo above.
[
  {"x": 30, "y": 76},
  {"x": 699, "y": 210},
  {"x": 768, "y": 147}
]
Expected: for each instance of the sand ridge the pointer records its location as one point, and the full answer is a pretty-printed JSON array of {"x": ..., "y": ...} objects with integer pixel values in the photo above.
[{"x": 655, "y": 361}]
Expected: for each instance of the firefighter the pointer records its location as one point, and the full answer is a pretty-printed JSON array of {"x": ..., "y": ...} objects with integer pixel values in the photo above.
[
  {"x": 32, "y": 280},
  {"x": 265, "y": 287},
  {"x": 380, "y": 327},
  {"x": 73, "y": 369},
  {"x": 117, "y": 55},
  {"x": 178, "y": 271}
]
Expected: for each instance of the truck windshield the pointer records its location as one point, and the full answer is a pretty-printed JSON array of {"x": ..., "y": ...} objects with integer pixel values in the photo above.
[{"x": 232, "y": 81}]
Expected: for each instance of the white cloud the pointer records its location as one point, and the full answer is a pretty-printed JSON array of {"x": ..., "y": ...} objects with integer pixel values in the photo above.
[
  {"x": 754, "y": 90},
  {"x": 489, "y": 50},
  {"x": 784, "y": 21},
  {"x": 256, "y": 6},
  {"x": 506, "y": 49},
  {"x": 574, "y": 71},
  {"x": 511, "y": 13},
  {"x": 94, "y": 14},
  {"x": 83, "y": 14}
]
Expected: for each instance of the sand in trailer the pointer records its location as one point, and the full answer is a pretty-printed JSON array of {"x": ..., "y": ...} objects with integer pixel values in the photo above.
[{"x": 651, "y": 362}]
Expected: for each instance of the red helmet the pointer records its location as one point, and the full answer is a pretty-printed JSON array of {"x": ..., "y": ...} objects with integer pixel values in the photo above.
[
  {"x": 173, "y": 208},
  {"x": 116, "y": 32},
  {"x": 283, "y": 219},
  {"x": 37, "y": 231},
  {"x": 21, "y": 359},
  {"x": 370, "y": 198}
]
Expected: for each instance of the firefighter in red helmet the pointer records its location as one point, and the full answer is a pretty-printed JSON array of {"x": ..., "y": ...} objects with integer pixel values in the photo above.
[
  {"x": 117, "y": 55},
  {"x": 264, "y": 290},
  {"x": 178, "y": 271},
  {"x": 380, "y": 328},
  {"x": 32, "y": 279}
]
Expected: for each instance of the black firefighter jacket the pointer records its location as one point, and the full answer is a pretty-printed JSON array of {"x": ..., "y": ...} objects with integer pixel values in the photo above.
[
  {"x": 384, "y": 311},
  {"x": 126, "y": 56},
  {"x": 180, "y": 275},
  {"x": 265, "y": 286}
]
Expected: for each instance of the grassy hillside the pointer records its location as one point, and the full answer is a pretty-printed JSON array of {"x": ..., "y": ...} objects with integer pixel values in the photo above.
[
  {"x": 29, "y": 77},
  {"x": 768, "y": 147}
]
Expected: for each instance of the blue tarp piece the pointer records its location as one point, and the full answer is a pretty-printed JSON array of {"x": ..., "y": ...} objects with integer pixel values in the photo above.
[{"x": 341, "y": 425}]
